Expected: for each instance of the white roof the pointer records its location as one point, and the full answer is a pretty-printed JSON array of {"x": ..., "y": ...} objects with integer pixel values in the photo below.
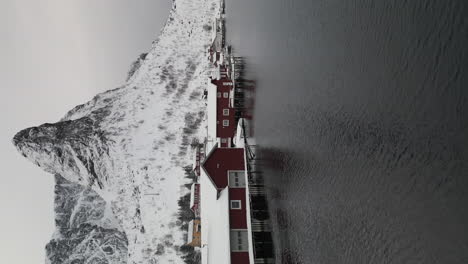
[
  {"x": 192, "y": 195},
  {"x": 214, "y": 31},
  {"x": 211, "y": 107},
  {"x": 194, "y": 160},
  {"x": 215, "y": 223},
  {"x": 190, "y": 232},
  {"x": 215, "y": 72},
  {"x": 239, "y": 138},
  {"x": 217, "y": 34}
]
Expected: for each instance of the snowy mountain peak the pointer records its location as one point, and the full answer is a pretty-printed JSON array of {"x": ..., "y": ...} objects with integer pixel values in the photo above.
[
  {"x": 68, "y": 148},
  {"x": 129, "y": 145}
]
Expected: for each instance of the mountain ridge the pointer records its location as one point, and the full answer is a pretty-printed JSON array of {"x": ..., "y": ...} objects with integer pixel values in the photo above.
[{"x": 129, "y": 144}]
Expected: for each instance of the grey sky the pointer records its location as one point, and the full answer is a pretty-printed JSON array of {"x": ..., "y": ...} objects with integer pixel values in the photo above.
[{"x": 53, "y": 56}]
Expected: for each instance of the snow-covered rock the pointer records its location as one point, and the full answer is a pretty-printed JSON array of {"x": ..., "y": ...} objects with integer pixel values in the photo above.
[
  {"x": 129, "y": 144},
  {"x": 136, "y": 65},
  {"x": 86, "y": 230}
]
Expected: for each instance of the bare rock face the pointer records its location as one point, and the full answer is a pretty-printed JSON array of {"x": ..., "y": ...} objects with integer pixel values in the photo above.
[
  {"x": 129, "y": 145},
  {"x": 86, "y": 230},
  {"x": 68, "y": 148}
]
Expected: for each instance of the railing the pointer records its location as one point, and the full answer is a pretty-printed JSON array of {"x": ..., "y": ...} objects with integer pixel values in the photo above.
[{"x": 259, "y": 214}]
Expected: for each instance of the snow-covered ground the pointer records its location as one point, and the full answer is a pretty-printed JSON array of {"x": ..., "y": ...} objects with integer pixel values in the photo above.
[{"x": 129, "y": 144}]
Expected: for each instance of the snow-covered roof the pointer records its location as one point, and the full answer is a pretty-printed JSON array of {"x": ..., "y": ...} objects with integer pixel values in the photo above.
[
  {"x": 211, "y": 112},
  {"x": 192, "y": 195},
  {"x": 239, "y": 138},
  {"x": 217, "y": 35},
  {"x": 217, "y": 43},
  {"x": 194, "y": 157},
  {"x": 190, "y": 232},
  {"x": 213, "y": 31},
  {"x": 215, "y": 223},
  {"x": 221, "y": 58}
]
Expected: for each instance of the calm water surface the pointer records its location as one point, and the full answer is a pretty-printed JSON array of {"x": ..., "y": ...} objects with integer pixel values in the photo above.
[{"x": 362, "y": 113}]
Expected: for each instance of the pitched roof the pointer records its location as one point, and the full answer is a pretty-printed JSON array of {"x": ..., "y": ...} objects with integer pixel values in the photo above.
[{"x": 206, "y": 159}]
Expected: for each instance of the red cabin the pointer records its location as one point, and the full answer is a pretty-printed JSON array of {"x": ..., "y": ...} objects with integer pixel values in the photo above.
[
  {"x": 225, "y": 168},
  {"x": 225, "y": 113}
]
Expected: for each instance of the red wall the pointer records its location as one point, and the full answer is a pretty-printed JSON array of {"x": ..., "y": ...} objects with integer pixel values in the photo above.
[
  {"x": 239, "y": 257},
  {"x": 238, "y": 218},
  {"x": 222, "y": 160},
  {"x": 223, "y": 103}
]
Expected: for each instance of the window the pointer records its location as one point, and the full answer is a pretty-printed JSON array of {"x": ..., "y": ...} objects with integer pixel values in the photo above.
[
  {"x": 225, "y": 112},
  {"x": 236, "y": 204},
  {"x": 239, "y": 240},
  {"x": 236, "y": 178},
  {"x": 225, "y": 122},
  {"x": 219, "y": 94},
  {"x": 226, "y": 95}
]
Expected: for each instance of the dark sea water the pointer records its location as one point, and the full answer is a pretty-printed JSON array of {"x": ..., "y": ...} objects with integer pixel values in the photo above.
[{"x": 362, "y": 116}]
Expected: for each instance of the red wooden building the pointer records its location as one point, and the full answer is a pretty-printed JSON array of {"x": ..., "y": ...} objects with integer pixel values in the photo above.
[
  {"x": 225, "y": 168},
  {"x": 225, "y": 112}
]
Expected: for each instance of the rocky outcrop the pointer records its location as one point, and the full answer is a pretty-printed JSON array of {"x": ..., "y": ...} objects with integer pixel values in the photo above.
[{"x": 86, "y": 230}]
